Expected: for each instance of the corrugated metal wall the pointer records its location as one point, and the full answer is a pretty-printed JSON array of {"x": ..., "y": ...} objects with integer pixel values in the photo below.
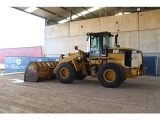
[{"x": 24, "y": 51}]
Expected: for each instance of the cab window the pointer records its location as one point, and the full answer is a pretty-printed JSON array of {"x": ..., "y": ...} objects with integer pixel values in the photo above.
[{"x": 95, "y": 42}]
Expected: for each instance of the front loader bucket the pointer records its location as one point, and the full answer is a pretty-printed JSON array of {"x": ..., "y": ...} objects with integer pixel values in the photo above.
[{"x": 39, "y": 71}]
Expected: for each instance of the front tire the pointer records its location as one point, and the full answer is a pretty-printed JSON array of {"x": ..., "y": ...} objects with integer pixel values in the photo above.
[
  {"x": 110, "y": 75},
  {"x": 65, "y": 73}
]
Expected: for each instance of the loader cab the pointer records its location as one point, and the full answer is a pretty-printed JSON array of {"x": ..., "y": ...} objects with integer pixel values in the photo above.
[{"x": 99, "y": 44}]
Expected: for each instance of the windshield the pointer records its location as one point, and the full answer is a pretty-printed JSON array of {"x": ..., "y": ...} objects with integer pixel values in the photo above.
[
  {"x": 97, "y": 44},
  {"x": 106, "y": 41}
]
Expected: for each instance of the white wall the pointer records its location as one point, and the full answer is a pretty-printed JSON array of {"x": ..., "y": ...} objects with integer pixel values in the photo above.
[
  {"x": 138, "y": 30},
  {"x": 84, "y": 26}
]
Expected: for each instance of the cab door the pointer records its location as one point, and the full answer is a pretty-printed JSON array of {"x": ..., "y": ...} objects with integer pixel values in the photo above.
[
  {"x": 95, "y": 47},
  {"x": 99, "y": 44}
]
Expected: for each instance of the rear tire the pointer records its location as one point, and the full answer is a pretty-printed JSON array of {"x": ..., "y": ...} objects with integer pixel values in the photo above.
[
  {"x": 110, "y": 75},
  {"x": 65, "y": 73}
]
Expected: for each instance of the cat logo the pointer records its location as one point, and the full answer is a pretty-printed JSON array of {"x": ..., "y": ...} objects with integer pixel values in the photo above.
[{"x": 115, "y": 51}]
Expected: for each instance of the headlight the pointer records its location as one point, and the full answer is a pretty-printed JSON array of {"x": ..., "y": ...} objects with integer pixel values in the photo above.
[
  {"x": 134, "y": 54},
  {"x": 136, "y": 59}
]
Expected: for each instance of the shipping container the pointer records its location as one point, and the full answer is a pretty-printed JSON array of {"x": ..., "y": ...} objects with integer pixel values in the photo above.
[{"x": 23, "y": 51}]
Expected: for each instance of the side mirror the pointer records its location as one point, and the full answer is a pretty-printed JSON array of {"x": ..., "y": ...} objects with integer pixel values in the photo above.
[
  {"x": 116, "y": 41},
  {"x": 76, "y": 47}
]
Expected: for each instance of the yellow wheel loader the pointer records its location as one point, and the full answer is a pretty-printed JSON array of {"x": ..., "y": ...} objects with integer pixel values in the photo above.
[{"x": 111, "y": 65}]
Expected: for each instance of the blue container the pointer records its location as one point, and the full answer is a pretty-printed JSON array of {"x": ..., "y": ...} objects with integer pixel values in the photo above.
[
  {"x": 16, "y": 64},
  {"x": 19, "y": 64},
  {"x": 53, "y": 58},
  {"x": 38, "y": 59},
  {"x": 151, "y": 63}
]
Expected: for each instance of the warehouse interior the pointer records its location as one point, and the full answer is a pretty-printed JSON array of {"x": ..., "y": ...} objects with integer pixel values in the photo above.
[
  {"x": 66, "y": 27},
  {"x": 137, "y": 27}
]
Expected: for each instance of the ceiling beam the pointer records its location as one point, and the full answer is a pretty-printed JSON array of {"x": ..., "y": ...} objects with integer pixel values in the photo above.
[
  {"x": 27, "y": 12},
  {"x": 57, "y": 15},
  {"x": 51, "y": 12},
  {"x": 74, "y": 13},
  {"x": 82, "y": 16},
  {"x": 64, "y": 9},
  {"x": 89, "y": 12}
]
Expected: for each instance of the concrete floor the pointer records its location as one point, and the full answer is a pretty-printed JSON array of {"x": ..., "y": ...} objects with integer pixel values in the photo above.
[{"x": 139, "y": 95}]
